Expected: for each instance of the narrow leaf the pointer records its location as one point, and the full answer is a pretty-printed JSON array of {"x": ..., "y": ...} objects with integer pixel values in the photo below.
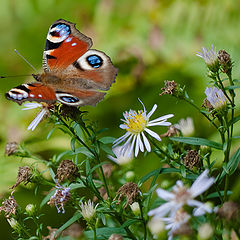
[{"x": 197, "y": 141}]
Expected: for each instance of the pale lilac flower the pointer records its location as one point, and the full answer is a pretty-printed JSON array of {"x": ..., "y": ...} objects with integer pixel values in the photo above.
[
  {"x": 136, "y": 123},
  {"x": 216, "y": 97},
  {"x": 182, "y": 195},
  {"x": 122, "y": 157},
  {"x": 40, "y": 115},
  {"x": 210, "y": 56},
  {"x": 60, "y": 197},
  {"x": 175, "y": 222},
  {"x": 186, "y": 126},
  {"x": 88, "y": 210}
]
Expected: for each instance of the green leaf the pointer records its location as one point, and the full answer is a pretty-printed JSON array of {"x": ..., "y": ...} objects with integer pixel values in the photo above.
[
  {"x": 76, "y": 185},
  {"x": 157, "y": 171},
  {"x": 232, "y": 87},
  {"x": 216, "y": 194},
  {"x": 234, "y": 120},
  {"x": 50, "y": 133},
  {"x": 233, "y": 162},
  {"x": 84, "y": 151},
  {"x": 107, "y": 140},
  {"x": 73, "y": 219},
  {"x": 198, "y": 142},
  {"x": 46, "y": 199},
  {"x": 73, "y": 140},
  {"x": 129, "y": 222}
]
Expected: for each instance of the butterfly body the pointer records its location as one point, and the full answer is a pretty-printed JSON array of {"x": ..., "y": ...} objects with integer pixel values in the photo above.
[{"x": 73, "y": 74}]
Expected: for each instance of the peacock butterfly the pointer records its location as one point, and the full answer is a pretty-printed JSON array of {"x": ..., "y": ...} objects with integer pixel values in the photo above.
[{"x": 74, "y": 74}]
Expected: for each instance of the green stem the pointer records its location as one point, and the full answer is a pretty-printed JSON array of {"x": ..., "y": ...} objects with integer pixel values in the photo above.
[
  {"x": 95, "y": 233},
  {"x": 223, "y": 89},
  {"x": 204, "y": 114},
  {"x": 143, "y": 220},
  {"x": 90, "y": 150}
]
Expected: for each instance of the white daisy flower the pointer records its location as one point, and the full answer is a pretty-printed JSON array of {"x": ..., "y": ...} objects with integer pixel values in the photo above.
[
  {"x": 40, "y": 115},
  {"x": 88, "y": 210},
  {"x": 175, "y": 221},
  {"x": 182, "y": 195},
  {"x": 186, "y": 126},
  {"x": 216, "y": 97},
  {"x": 122, "y": 157},
  {"x": 136, "y": 123},
  {"x": 210, "y": 56}
]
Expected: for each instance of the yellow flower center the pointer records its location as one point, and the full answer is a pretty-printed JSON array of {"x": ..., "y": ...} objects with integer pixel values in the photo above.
[{"x": 136, "y": 123}]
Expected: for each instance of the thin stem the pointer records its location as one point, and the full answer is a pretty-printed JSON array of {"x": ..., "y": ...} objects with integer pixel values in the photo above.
[
  {"x": 95, "y": 233},
  {"x": 143, "y": 220},
  {"x": 223, "y": 89},
  {"x": 204, "y": 114}
]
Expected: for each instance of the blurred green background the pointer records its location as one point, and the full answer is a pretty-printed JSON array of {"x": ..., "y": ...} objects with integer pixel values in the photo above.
[{"x": 149, "y": 41}]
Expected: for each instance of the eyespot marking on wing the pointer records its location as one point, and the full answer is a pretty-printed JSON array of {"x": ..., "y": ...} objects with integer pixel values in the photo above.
[
  {"x": 91, "y": 60},
  {"x": 68, "y": 99}
]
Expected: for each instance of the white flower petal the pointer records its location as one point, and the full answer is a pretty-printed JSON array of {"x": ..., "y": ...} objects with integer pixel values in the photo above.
[
  {"x": 165, "y": 195},
  {"x": 146, "y": 143},
  {"x": 152, "y": 111},
  {"x": 122, "y": 138},
  {"x": 137, "y": 145},
  {"x": 159, "y": 124},
  {"x": 123, "y": 126},
  {"x": 162, "y": 210},
  {"x": 201, "y": 184},
  {"x": 37, "y": 119},
  {"x": 153, "y": 134},
  {"x": 165, "y": 117},
  {"x": 31, "y": 105},
  {"x": 140, "y": 143}
]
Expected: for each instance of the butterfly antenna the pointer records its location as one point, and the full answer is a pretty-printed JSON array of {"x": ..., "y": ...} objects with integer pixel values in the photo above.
[
  {"x": 15, "y": 50},
  {"x": 27, "y": 75}
]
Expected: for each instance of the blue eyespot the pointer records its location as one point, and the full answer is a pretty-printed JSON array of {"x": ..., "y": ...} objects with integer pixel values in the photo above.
[
  {"x": 69, "y": 99},
  {"x": 95, "y": 61}
]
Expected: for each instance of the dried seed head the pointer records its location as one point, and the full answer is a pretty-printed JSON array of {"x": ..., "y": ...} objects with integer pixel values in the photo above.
[
  {"x": 9, "y": 206},
  {"x": 207, "y": 104},
  {"x": 172, "y": 131},
  {"x": 225, "y": 61},
  {"x": 75, "y": 231},
  {"x": 130, "y": 190},
  {"x": 192, "y": 159},
  {"x": 52, "y": 234},
  {"x": 115, "y": 237},
  {"x": 24, "y": 175},
  {"x": 11, "y": 148},
  {"x": 66, "y": 170},
  {"x": 229, "y": 211},
  {"x": 169, "y": 87}
]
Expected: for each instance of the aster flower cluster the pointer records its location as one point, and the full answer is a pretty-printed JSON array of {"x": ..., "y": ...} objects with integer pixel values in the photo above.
[{"x": 178, "y": 198}]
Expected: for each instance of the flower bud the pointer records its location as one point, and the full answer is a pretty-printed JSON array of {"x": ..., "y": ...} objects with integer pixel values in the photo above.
[
  {"x": 205, "y": 231},
  {"x": 130, "y": 175},
  {"x": 30, "y": 209},
  {"x": 156, "y": 226},
  {"x": 135, "y": 208},
  {"x": 14, "y": 224}
]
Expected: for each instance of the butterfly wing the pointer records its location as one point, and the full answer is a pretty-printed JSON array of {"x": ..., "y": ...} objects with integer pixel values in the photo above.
[
  {"x": 32, "y": 92},
  {"x": 83, "y": 72},
  {"x": 64, "y": 45}
]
